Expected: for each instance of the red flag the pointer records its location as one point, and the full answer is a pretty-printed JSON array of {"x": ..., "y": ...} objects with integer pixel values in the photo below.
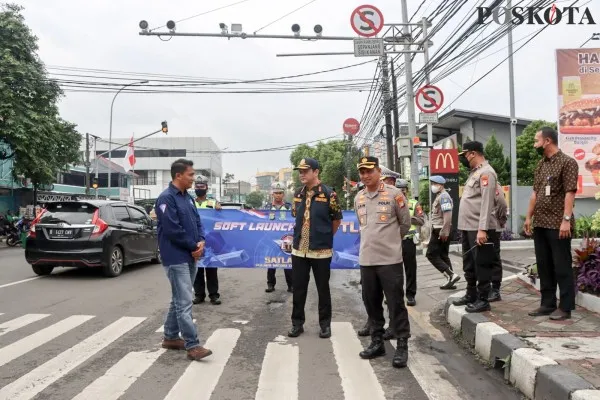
[{"x": 129, "y": 160}]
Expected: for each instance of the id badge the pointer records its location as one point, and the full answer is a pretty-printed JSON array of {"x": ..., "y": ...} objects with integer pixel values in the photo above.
[{"x": 547, "y": 190}]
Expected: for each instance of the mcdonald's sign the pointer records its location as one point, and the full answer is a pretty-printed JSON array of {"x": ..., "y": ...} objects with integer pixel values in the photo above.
[{"x": 443, "y": 161}]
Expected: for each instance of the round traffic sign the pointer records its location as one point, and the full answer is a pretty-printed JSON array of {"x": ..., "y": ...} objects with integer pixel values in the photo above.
[
  {"x": 351, "y": 126},
  {"x": 429, "y": 99},
  {"x": 366, "y": 20}
]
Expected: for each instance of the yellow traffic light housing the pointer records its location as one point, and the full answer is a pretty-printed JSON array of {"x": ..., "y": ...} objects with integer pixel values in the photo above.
[{"x": 95, "y": 183}]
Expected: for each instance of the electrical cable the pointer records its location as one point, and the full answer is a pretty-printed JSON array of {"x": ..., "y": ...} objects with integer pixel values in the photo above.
[
  {"x": 203, "y": 13},
  {"x": 286, "y": 15}
]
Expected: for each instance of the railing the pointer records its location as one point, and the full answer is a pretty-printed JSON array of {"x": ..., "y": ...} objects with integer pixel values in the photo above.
[{"x": 144, "y": 181}]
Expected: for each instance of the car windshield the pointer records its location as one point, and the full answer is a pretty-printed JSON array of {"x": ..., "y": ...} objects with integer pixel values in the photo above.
[{"x": 69, "y": 213}]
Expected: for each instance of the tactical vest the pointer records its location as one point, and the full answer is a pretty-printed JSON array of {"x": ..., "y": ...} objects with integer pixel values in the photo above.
[
  {"x": 282, "y": 211},
  {"x": 321, "y": 224},
  {"x": 412, "y": 204},
  {"x": 205, "y": 204}
]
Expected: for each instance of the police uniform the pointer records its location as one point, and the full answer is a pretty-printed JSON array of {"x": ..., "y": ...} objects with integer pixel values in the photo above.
[
  {"x": 501, "y": 215},
  {"x": 441, "y": 221},
  {"x": 212, "y": 274},
  {"x": 384, "y": 219},
  {"x": 476, "y": 213},
  {"x": 318, "y": 215},
  {"x": 278, "y": 211}
]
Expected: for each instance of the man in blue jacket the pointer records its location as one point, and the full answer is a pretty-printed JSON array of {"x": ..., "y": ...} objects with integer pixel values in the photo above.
[{"x": 181, "y": 243}]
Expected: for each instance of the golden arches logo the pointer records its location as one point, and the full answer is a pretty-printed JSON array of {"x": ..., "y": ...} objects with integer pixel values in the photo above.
[{"x": 445, "y": 157}]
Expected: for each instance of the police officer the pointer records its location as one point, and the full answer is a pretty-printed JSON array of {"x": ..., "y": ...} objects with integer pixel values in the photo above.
[
  {"x": 212, "y": 277},
  {"x": 409, "y": 248},
  {"x": 383, "y": 215},
  {"x": 318, "y": 217},
  {"x": 277, "y": 210},
  {"x": 501, "y": 215},
  {"x": 441, "y": 221},
  {"x": 478, "y": 227}
]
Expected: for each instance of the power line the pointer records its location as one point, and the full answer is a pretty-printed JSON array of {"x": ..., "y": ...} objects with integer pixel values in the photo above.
[
  {"x": 204, "y": 13},
  {"x": 286, "y": 15}
]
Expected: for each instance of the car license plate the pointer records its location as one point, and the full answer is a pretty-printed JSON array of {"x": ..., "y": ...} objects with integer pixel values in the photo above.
[{"x": 61, "y": 233}]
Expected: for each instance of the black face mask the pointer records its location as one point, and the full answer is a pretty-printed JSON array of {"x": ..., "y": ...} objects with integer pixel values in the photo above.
[
  {"x": 540, "y": 150},
  {"x": 463, "y": 160},
  {"x": 200, "y": 192}
]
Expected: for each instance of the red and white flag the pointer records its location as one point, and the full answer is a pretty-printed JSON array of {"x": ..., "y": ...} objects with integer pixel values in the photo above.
[{"x": 129, "y": 160}]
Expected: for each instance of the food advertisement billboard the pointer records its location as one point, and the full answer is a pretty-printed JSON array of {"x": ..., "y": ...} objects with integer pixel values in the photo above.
[{"x": 578, "y": 72}]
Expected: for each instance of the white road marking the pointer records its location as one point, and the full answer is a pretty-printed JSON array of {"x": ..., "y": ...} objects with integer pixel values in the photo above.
[
  {"x": 32, "y": 383},
  {"x": 162, "y": 328},
  {"x": 359, "y": 381},
  {"x": 240, "y": 322},
  {"x": 25, "y": 345},
  {"x": 422, "y": 319},
  {"x": 429, "y": 374},
  {"x": 201, "y": 377},
  {"x": 510, "y": 277},
  {"x": 20, "y": 322},
  {"x": 18, "y": 282},
  {"x": 115, "y": 382},
  {"x": 279, "y": 373}
]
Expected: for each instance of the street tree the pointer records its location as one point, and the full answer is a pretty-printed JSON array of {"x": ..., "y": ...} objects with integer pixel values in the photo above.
[
  {"x": 255, "y": 199},
  {"x": 494, "y": 153},
  {"x": 527, "y": 157},
  {"x": 39, "y": 141}
]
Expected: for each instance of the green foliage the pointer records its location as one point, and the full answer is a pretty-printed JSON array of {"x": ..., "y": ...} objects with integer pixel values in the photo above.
[
  {"x": 596, "y": 221},
  {"x": 424, "y": 195},
  {"x": 40, "y": 142},
  {"x": 463, "y": 172},
  {"x": 585, "y": 227},
  {"x": 332, "y": 157},
  {"x": 494, "y": 153},
  {"x": 228, "y": 178},
  {"x": 255, "y": 199},
  {"x": 527, "y": 157}
]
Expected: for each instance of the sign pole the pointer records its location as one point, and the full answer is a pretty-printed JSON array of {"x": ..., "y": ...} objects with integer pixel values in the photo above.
[{"x": 429, "y": 126}]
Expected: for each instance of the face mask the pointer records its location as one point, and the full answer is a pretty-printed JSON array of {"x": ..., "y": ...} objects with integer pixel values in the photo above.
[
  {"x": 464, "y": 161},
  {"x": 435, "y": 189},
  {"x": 200, "y": 192},
  {"x": 540, "y": 150}
]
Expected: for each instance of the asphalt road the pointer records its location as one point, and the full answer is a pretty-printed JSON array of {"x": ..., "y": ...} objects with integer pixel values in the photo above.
[{"x": 76, "y": 334}]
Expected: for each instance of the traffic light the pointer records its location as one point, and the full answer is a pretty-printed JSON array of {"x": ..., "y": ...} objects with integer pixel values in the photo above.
[
  {"x": 165, "y": 127},
  {"x": 95, "y": 183}
]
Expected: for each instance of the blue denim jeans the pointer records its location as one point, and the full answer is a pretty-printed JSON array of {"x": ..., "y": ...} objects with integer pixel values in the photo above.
[{"x": 179, "y": 317}]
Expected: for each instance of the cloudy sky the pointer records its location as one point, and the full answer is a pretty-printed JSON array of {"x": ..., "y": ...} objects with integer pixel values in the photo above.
[{"x": 104, "y": 35}]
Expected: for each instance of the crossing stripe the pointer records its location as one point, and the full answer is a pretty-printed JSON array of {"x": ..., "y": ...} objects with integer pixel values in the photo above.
[
  {"x": 200, "y": 379},
  {"x": 25, "y": 345},
  {"x": 279, "y": 374},
  {"x": 32, "y": 383},
  {"x": 115, "y": 382},
  {"x": 18, "y": 282},
  {"x": 359, "y": 381},
  {"x": 162, "y": 328},
  {"x": 20, "y": 322}
]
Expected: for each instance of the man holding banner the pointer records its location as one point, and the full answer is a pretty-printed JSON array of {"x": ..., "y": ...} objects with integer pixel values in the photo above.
[
  {"x": 277, "y": 210},
  {"x": 318, "y": 217}
]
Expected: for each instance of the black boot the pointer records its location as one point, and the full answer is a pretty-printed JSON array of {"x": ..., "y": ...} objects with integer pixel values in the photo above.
[
  {"x": 270, "y": 288},
  {"x": 388, "y": 335},
  {"x": 494, "y": 295},
  {"x": 296, "y": 331},
  {"x": 401, "y": 356},
  {"x": 466, "y": 299},
  {"x": 452, "y": 278},
  {"x": 365, "y": 331},
  {"x": 198, "y": 300},
  {"x": 375, "y": 349},
  {"x": 480, "y": 305}
]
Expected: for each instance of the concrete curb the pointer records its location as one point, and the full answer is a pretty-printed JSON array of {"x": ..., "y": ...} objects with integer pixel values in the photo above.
[{"x": 536, "y": 376}]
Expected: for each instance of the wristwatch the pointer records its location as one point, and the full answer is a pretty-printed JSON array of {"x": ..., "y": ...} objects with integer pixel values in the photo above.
[{"x": 567, "y": 217}]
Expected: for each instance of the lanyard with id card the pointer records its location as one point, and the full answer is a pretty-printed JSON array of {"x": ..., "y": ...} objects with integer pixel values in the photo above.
[{"x": 548, "y": 186}]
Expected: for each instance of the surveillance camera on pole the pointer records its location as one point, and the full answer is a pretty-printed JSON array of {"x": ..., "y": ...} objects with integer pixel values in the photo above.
[
  {"x": 318, "y": 30},
  {"x": 296, "y": 29},
  {"x": 144, "y": 25},
  {"x": 171, "y": 26},
  {"x": 224, "y": 29}
]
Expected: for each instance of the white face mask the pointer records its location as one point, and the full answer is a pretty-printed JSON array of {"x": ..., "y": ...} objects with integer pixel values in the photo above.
[{"x": 436, "y": 188}]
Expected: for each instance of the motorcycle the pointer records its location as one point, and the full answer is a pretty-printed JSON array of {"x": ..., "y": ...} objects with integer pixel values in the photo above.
[{"x": 13, "y": 235}]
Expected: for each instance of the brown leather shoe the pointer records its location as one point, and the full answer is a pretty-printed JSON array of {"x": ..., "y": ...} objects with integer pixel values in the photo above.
[
  {"x": 173, "y": 344},
  {"x": 560, "y": 315},
  {"x": 198, "y": 353}
]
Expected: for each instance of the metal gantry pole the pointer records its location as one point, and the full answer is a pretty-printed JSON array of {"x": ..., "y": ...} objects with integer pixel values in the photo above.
[
  {"x": 513, "y": 130},
  {"x": 397, "y": 167},
  {"x": 410, "y": 103},
  {"x": 427, "y": 80},
  {"x": 385, "y": 86}
]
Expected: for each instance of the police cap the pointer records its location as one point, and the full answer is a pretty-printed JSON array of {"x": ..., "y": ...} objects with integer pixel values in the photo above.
[
  {"x": 437, "y": 179},
  {"x": 388, "y": 173},
  {"x": 402, "y": 184},
  {"x": 201, "y": 184},
  {"x": 472, "y": 146},
  {"x": 368, "y": 162},
  {"x": 277, "y": 187},
  {"x": 307, "y": 163}
]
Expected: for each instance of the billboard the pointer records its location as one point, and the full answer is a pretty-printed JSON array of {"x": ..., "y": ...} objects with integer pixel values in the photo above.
[{"x": 578, "y": 73}]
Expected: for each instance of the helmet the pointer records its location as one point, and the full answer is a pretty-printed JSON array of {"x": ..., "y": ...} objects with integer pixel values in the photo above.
[
  {"x": 388, "y": 173},
  {"x": 201, "y": 184},
  {"x": 402, "y": 184},
  {"x": 277, "y": 187}
]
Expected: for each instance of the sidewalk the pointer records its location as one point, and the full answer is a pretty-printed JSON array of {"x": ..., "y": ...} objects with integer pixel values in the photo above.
[{"x": 545, "y": 359}]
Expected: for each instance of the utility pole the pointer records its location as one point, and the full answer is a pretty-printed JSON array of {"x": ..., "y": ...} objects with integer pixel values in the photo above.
[
  {"x": 386, "y": 109},
  {"x": 429, "y": 126},
  {"x": 87, "y": 163},
  {"x": 348, "y": 171},
  {"x": 513, "y": 130},
  {"x": 410, "y": 103},
  {"x": 396, "y": 117}
]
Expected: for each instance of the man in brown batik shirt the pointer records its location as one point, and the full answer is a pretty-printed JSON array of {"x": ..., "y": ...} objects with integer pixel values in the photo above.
[{"x": 551, "y": 206}]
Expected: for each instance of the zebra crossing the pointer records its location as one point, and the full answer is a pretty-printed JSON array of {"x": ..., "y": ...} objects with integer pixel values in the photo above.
[{"x": 279, "y": 371}]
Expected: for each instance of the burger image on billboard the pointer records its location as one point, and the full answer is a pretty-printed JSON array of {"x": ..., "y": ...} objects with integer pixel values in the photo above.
[
  {"x": 581, "y": 116},
  {"x": 593, "y": 164}
]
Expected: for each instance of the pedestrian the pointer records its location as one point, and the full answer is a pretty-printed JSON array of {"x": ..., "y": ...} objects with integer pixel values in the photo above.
[
  {"x": 409, "y": 247},
  {"x": 212, "y": 274},
  {"x": 478, "y": 227},
  {"x": 318, "y": 217},
  {"x": 181, "y": 242},
  {"x": 277, "y": 209},
  {"x": 384, "y": 220},
  {"x": 551, "y": 208},
  {"x": 501, "y": 215},
  {"x": 441, "y": 223}
]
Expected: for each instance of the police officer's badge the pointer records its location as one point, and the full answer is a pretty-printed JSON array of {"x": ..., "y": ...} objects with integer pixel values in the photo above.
[
  {"x": 364, "y": 160},
  {"x": 303, "y": 162}
]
